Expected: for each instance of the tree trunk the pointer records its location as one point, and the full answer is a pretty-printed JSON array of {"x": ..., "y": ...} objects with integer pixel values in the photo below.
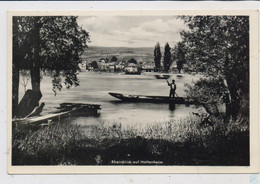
[
  {"x": 35, "y": 78},
  {"x": 15, "y": 90},
  {"x": 234, "y": 99},
  {"x": 230, "y": 81},
  {"x": 238, "y": 102},
  {"x": 35, "y": 67},
  {"x": 29, "y": 101}
]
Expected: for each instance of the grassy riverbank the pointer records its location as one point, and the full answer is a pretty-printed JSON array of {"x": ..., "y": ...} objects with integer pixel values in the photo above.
[{"x": 185, "y": 142}]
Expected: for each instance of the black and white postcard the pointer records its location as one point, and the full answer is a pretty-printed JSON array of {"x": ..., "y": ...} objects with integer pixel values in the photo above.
[{"x": 133, "y": 91}]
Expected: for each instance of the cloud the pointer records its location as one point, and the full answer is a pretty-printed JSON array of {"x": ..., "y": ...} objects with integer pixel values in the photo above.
[{"x": 132, "y": 31}]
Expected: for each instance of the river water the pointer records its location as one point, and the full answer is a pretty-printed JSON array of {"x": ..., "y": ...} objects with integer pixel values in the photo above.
[{"x": 94, "y": 88}]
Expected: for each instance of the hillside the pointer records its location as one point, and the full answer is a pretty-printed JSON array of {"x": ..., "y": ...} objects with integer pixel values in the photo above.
[{"x": 144, "y": 54}]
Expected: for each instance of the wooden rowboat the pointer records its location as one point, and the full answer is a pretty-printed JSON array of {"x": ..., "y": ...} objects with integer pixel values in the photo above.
[
  {"x": 65, "y": 110},
  {"x": 149, "y": 99},
  {"x": 162, "y": 76}
]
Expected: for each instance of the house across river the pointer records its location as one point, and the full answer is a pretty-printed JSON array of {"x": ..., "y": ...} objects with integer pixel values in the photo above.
[
  {"x": 132, "y": 68},
  {"x": 148, "y": 68}
]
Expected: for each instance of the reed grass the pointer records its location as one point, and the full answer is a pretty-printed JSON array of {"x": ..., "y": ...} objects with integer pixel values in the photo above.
[{"x": 183, "y": 141}]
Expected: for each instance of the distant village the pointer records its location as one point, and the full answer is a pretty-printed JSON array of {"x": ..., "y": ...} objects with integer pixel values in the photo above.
[{"x": 112, "y": 64}]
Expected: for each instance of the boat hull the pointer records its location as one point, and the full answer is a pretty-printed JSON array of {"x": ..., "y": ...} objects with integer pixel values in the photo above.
[
  {"x": 162, "y": 76},
  {"x": 133, "y": 73},
  {"x": 148, "y": 99},
  {"x": 64, "y": 111}
]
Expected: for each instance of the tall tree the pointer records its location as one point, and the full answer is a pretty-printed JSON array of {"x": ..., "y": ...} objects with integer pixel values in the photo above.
[
  {"x": 219, "y": 45},
  {"x": 167, "y": 58},
  {"x": 180, "y": 55},
  {"x": 51, "y": 44},
  {"x": 157, "y": 56}
]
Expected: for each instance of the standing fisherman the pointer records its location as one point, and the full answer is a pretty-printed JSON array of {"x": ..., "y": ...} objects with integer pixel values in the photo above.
[{"x": 172, "y": 90}]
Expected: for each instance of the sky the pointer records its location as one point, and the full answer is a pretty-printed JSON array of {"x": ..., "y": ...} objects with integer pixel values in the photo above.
[{"x": 132, "y": 31}]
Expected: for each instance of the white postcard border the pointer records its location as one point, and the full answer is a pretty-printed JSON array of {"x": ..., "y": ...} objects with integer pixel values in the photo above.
[{"x": 254, "y": 93}]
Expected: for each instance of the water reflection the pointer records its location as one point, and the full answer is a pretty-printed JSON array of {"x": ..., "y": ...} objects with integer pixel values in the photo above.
[{"x": 171, "y": 106}]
